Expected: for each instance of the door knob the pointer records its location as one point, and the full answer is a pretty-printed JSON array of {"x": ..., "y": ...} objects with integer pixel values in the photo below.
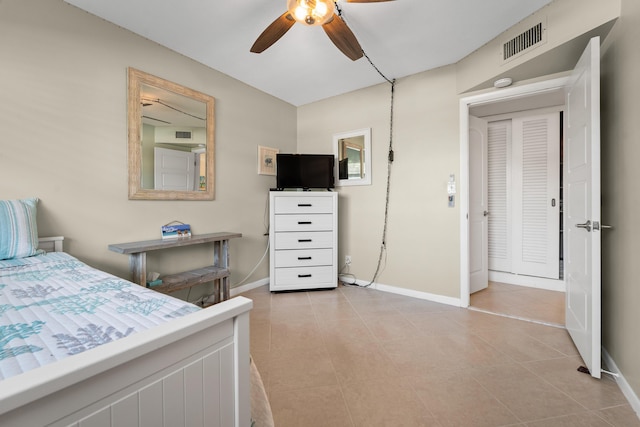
[
  {"x": 586, "y": 225},
  {"x": 598, "y": 226},
  {"x": 485, "y": 213}
]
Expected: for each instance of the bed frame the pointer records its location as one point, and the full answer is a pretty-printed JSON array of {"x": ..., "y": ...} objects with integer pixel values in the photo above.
[{"x": 191, "y": 371}]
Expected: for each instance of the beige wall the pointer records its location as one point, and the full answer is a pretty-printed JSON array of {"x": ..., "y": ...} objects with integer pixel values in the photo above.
[
  {"x": 64, "y": 138},
  {"x": 565, "y": 20},
  {"x": 426, "y": 149},
  {"x": 620, "y": 194}
]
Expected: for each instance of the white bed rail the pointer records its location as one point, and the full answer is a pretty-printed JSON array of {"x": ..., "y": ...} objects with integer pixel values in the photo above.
[
  {"x": 51, "y": 244},
  {"x": 192, "y": 370}
]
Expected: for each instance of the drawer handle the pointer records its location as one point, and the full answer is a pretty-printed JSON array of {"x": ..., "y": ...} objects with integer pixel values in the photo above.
[
  {"x": 301, "y": 258},
  {"x": 304, "y": 222},
  {"x": 304, "y": 240},
  {"x": 304, "y": 205},
  {"x": 304, "y": 275}
]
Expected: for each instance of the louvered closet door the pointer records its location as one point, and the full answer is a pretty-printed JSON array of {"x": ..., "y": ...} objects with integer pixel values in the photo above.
[
  {"x": 524, "y": 188},
  {"x": 499, "y": 199},
  {"x": 536, "y": 211}
]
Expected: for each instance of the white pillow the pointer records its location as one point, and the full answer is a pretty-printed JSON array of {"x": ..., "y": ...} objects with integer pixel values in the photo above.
[{"x": 18, "y": 228}]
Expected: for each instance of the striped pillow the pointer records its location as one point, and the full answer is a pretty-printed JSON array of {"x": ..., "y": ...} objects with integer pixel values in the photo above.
[{"x": 18, "y": 228}]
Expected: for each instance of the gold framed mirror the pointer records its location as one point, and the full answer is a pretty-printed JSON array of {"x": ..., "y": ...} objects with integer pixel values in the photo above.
[
  {"x": 353, "y": 157},
  {"x": 171, "y": 140}
]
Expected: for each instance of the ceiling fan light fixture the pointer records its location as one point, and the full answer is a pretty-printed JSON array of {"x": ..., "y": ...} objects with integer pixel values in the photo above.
[{"x": 311, "y": 12}]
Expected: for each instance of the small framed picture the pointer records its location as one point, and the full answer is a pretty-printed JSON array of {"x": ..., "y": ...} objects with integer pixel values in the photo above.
[{"x": 267, "y": 160}]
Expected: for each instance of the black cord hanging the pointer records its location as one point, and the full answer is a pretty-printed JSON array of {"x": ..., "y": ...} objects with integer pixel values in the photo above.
[
  {"x": 390, "y": 156},
  {"x": 383, "y": 246}
]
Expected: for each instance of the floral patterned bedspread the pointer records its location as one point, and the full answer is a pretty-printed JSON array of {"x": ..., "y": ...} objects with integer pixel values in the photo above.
[{"x": 53, "y": 306}]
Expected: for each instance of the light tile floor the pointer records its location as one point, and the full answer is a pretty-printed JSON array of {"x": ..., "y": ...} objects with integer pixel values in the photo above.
[
  {"x": 360, "y": 357},
  {"x": 528, "y": 303}
]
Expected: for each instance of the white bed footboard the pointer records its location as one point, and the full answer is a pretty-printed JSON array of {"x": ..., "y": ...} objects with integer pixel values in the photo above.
[{"x": 191, "y": 371}]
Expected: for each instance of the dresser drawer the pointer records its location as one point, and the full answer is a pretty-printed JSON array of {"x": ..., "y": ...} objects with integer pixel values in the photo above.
[
  {"x": 309, "y": 222},
  {"x": 302, "y": 258},
  {"x": 303, "y": 240},
  {"x": 313, "y": 204},
  {"x": 305, "y": 276}
]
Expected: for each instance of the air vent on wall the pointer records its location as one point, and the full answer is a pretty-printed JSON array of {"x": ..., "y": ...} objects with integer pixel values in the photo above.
[
  {"x": 523, "y": 42},
  {"x": 182, "y": 134}
]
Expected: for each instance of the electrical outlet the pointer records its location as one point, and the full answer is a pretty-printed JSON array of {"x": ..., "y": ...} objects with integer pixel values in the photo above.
[{"x": 347, "y": 259}]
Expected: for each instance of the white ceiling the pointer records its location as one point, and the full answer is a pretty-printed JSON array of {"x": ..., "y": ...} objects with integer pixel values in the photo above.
[{"x": 401, "y": 38}]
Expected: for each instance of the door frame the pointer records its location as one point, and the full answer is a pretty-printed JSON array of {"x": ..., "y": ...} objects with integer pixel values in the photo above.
[{"x": 466, "y": 103}]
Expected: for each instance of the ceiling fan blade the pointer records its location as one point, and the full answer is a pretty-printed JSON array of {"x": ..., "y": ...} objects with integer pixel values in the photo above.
[
  {"x": 366, "y": 1},
  {"x": 273, "y": 32},
  {"x": 343, "y": 37}
]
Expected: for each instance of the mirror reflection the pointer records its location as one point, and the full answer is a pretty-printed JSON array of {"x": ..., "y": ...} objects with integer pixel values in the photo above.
[
  {"x": 353, "y": 157},
  {"x": 173, "y": 140},
  {"x": 170, "y": 140}
]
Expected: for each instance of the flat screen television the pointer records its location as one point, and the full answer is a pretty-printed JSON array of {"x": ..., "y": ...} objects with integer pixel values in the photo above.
[{"x": 305, "y": 171}]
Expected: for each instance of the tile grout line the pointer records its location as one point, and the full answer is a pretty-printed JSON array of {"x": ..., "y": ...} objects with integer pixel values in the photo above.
[{"x": 510, "y": 316}]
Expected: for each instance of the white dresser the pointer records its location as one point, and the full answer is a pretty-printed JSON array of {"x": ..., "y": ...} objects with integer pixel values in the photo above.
[{"x": 303, "y": 237}]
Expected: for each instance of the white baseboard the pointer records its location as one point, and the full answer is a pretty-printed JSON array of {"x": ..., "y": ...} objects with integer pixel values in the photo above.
[
  {"x": 378, "y": 286},
  {"x": 249, "y": 286},
  {"x": 406, "y": 292},
  {"x": 626, "y": 389},
  {"x": 530, "y": 281}
]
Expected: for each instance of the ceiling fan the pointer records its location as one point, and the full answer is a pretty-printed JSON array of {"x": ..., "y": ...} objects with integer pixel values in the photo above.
[{"x": 313, "y": 13}]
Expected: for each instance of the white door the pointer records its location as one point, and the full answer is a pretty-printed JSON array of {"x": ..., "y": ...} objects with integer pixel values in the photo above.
[
  {"x": 536, "y": 191},
  {"x": 582, "y": 207},
  {"x": 478, "y": 258},
  {"x": 174, "y": 170},
  {"x": 499, "y": 185},
  {"x": 524, "y": 189}
]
